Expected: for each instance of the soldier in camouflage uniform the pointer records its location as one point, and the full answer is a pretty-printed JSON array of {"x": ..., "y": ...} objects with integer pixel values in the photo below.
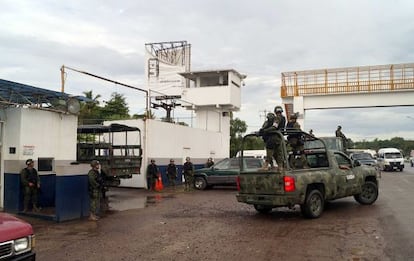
[
  {"x": 152, "y": 175},
  {"x": 171, "y": 173},
  {"x": 267, "y": 136},
  {"x": 188, "y": 171},
  {"x": 279, "y": 124},
  {"x": 298, "y": 158},
  {"x": 94, "y": 186},
  {"x": 31, "y": 185},
  {"x": 339, "y": 134}
]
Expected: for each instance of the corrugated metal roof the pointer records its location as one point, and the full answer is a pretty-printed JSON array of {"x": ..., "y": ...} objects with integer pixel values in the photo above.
[{"x": 18, "y": 93}]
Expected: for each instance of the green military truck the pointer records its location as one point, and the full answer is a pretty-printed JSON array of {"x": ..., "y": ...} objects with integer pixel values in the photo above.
[{"x": 326, "y": 175}]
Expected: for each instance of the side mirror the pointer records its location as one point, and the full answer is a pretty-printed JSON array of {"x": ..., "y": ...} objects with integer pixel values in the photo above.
[{"x": 357, "y": 163}]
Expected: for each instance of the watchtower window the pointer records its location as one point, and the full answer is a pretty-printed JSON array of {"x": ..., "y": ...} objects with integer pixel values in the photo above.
[{"x": 214, "y": 80}]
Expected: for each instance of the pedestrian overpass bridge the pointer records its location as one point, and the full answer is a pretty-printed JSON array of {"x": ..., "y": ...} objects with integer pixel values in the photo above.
[{"x": 351, "y": 87}]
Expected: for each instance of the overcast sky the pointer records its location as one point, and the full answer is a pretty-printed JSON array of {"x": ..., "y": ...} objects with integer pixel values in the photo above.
[{"x": 258, "y": 38}]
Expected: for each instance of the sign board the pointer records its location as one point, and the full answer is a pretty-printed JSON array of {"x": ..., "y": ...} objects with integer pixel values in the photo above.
[{"x": 167, "y": 97}]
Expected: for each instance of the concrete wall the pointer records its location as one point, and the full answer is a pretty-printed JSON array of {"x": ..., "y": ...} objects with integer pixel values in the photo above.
[
  {"x": 163, "y": 141},
  {"x": 33, "y": 133}
]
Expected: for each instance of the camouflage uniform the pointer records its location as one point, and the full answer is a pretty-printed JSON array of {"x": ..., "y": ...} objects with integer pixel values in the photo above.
[
  {"x": 188, "y": 171},
  {"x": 296, "y": 143},
  {"x": 152, "y": 175},
  {"x": 338, "y": 133},
  {"x": 171, "y": 173},
  {"x": 31, "y": 185},
  {"x": 266, "y": 134},
  {"x": 95, "y": 188},
  {"x": 279, "y": 124}
]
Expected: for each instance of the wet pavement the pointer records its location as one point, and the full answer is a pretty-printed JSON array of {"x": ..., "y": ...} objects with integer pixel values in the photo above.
[{"x": 212, "y": 225}]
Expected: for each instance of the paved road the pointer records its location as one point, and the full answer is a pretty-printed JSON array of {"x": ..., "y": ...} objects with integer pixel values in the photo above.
[
  {"x": 212, "y": 225},
  {"x": 397, "y": 212}
]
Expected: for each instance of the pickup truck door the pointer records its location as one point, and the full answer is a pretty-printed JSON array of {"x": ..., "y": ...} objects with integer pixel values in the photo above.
[{"x": 346, "y": 180}]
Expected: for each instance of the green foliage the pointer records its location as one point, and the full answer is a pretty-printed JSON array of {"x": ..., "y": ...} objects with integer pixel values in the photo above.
[
  {"x": 116, "y": 108},
  {"x": 90, "y": 112},
  {"x": 237, "y": 130},
  {"x": 404, "y": 145}
]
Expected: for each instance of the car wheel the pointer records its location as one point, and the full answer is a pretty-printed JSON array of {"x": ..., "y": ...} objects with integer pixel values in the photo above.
[
  {"x": 262, "y": 209},
  {"x": 314, "y": 204},
  {"x": 200, "y": 183},
  {"x": 368, "y": 195}
]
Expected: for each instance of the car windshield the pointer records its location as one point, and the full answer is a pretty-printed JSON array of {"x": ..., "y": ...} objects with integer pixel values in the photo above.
[
  {"x": 392, "y": 155},
  {"x": 361, "y": 156}
]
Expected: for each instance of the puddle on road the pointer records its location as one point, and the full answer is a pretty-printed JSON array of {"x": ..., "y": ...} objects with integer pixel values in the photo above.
[{"x": 121, "y": 202}]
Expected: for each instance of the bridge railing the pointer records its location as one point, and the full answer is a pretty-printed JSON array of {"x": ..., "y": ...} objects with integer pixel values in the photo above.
[{"x": 366, "y": 79}]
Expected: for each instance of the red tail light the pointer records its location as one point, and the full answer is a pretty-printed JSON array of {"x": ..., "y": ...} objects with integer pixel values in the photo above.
[
  {"x": 289, "y": 183},
  {"x": 238, "y": 183}
]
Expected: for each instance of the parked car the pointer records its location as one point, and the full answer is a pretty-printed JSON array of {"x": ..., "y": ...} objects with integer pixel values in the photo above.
[
  {"x": 364, "y": 158},
  {"x": 16, "y": 239},
  {"x": 223, "y": 172}
]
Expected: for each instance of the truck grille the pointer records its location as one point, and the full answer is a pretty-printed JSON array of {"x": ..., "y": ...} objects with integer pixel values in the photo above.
[
  {"x": 394, "y": 164},
  {"x": 5, "y": 249}
]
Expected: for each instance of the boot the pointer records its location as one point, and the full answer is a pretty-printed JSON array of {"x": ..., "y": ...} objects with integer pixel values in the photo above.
[
  {"x": 265, "y": 166},
  {"x": 93, "y": 217},
  {"x": 36, "y": 209}
]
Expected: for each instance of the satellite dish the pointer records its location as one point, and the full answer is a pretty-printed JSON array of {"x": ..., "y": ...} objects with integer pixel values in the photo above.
[{"x": 73, "y": 105}]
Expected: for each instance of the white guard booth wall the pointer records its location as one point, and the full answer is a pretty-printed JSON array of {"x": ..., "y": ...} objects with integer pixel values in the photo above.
[{"x": 49, "y": 138}]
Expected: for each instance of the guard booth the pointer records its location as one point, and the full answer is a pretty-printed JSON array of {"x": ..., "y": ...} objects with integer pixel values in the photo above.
[{"x": 42, "y": 125}]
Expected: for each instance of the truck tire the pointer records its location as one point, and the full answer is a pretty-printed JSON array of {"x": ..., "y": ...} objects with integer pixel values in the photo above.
[
  {"x": 200, "y": 183},
  {"x": 262, "y": 209},
  {"x": 368, "y": 195},
  {"x": 314, "y": 204}
]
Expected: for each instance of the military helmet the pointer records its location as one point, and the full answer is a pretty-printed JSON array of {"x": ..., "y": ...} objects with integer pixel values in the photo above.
[
  {"x": 270, "y": 116},
  {"x": 94, "y": 163},
  {"x": 278, "y": 109}
]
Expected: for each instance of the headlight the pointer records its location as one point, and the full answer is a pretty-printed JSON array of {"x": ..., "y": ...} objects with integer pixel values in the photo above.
[{"x": 22, "y": 245}]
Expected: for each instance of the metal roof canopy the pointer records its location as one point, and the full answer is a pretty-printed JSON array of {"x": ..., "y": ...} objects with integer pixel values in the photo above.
[
  {"x": 21, "y": 94},
  {"x": 99, "y": 129}
]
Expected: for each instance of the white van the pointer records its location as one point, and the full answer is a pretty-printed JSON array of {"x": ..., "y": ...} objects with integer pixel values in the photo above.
[{"x": 390, "y": 159}]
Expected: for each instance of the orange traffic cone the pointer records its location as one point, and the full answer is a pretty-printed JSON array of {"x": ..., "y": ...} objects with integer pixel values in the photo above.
[{"x": 158, "y": 184}]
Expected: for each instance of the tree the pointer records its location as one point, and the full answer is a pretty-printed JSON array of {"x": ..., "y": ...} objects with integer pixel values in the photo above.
[
  {"x": 116, "y": 108},
  {"x": 90, "y": 112},
  {"x": 237, "y": 129},
  {"x": 397, "y": 142}
]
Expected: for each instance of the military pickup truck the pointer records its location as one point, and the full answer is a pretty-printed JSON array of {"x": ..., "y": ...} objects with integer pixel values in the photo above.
[{"x": 325, "y": 175}]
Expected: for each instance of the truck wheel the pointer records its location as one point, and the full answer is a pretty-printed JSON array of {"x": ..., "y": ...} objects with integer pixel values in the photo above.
[
  {"x": 314, "y": 204},
  {"x": 200, "y": 183},
  {"x": 262, "y": 209},
  {"x": 369, "y": 193}
]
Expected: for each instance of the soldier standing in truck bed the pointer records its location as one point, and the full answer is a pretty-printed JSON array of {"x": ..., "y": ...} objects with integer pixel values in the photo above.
[
  {"x": 280, "y": 123},
  {"x": 295, "y": 140},
  {"x": 338, "y": 133}
]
